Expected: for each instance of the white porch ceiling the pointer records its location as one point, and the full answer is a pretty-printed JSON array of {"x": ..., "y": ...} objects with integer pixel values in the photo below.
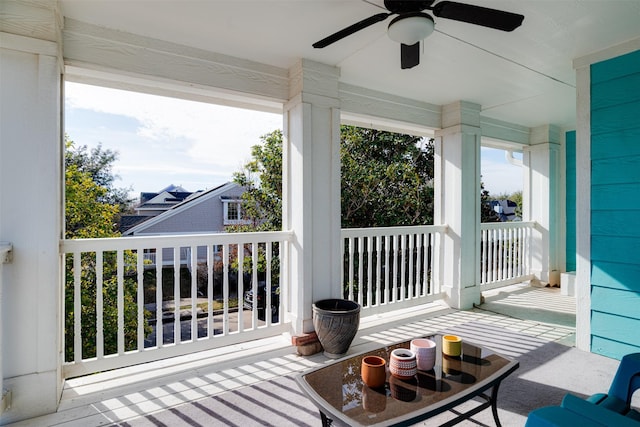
[{"x": 525, "y": 77}]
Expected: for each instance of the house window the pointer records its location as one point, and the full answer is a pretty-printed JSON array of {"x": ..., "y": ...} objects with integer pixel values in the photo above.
[{"x": 232, "y": 212}]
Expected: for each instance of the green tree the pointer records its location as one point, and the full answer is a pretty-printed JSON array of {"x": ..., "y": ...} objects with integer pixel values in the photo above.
[
  {"x": 97, "y": 163},
  {"x": 92, "y": 205},
  {"x": 487, "y": 214},
  {"x": 262, "y": 179},
  {"x": 386, "y": 180}
]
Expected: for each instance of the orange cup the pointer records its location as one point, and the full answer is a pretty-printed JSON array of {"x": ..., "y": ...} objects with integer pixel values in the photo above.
[{"x": 373, "y": 371}]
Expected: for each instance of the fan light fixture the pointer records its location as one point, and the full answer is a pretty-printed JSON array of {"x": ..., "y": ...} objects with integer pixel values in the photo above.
[{"x": 410, "y": 28}]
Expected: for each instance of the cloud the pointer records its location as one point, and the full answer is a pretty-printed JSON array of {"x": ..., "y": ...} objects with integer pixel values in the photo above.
[
  {"x": 499, "y": 176},
  {"x": 170, "y": 136}
]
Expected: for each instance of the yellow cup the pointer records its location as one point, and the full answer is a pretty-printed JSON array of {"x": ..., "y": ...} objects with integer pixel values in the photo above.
[{"x": 452, "y": 345}]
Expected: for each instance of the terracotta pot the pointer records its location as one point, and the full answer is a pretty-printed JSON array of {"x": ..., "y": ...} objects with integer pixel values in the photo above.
[
  {"x": 402, "y": 363},
  {"x": 336, "y": 322},
  {"x": 373, "y": 371}
]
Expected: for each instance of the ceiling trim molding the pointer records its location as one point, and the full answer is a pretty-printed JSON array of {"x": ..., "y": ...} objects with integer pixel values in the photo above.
[
  {"x": 497, "y": 132},
  {"x": 608, "y": 53},
  {"x": 87, "y": 45},
  {"x": 360, "y": 102},
  {"x": 37, "y": 19}
]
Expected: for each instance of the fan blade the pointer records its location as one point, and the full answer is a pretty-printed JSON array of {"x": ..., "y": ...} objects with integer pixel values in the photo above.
[
  {"x": 409, "y": 55},
  {"x": 492, "y": 18},
  {"x": 351, "y": 29}
]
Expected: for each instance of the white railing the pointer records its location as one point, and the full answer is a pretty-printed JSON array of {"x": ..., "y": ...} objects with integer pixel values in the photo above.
[
  {"x": 388, "y": 268},
  {"x": 120, "y": 303},
  {"x": 5, "y": 257},
  {"x": 505, "y": 253}
]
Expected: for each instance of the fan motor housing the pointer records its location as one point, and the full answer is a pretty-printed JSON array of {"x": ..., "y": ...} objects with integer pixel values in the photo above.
[{"x": 404, "y": 6}]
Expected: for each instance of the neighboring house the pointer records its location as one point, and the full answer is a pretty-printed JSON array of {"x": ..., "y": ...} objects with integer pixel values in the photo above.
[
  {"x": 201, "y": 212},
  {"x": 506, "y": 210},
  {"x": 152, "y": 204}
]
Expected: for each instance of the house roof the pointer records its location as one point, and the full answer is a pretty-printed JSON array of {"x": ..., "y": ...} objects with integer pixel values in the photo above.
[
  {"x": 194, "y": 199},
  {"x": 162, "y": 200}
]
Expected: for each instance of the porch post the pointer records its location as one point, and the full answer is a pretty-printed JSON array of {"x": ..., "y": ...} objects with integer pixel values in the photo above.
[
  {"x": 457, "y": 201},
  {"x": 541, "y": 199},
  {"x": 311, "y": 188},
  {"x": 31, "y": 207}
]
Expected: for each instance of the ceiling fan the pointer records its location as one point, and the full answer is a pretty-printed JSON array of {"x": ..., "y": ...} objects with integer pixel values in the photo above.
[{"x": 412, "y": 25}]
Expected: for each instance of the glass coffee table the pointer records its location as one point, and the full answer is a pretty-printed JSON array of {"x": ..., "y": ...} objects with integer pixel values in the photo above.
[{"x": 338, "y": 391}]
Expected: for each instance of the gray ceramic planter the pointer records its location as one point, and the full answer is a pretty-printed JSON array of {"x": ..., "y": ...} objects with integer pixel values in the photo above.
[{"x": 336, "y": 323}]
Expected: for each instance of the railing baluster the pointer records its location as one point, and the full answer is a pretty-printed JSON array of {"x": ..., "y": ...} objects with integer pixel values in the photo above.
[
  {"x": 254, "y": 287},
  {"x": 360, "y": 269},
  {"x": 369, "y": 269},
  {"x": 351, "y": 268},
  {"x": 120, "y": 301},
  {"x": 99, "y": 305},
  {"x": 210, "y": 261},
  {"x": 379, "y": 258},
  {"x": 268, "y": 247},
  {"x": 77, "y": 306},
  {"x": 194, "y": 293},
  {"x": 177, "y": 330},
  {"x": 140, "y": 297},
  {"x": 225, "y": 289},
  {"x": 159, "y": 300},
  {"x": 240, "y": 285}
]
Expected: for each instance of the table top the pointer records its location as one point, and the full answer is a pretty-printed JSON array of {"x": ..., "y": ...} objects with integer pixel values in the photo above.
[{"x": 338, "y": 391}]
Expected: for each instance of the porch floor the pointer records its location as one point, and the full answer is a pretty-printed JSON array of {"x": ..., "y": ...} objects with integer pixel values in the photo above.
[{"x": 253, "y": 384}]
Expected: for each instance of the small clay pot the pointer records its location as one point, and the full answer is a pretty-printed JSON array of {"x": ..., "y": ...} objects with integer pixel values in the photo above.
[{"x": 373, "y": 371}]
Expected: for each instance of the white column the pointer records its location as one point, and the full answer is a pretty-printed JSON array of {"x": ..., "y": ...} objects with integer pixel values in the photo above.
[
  {"x": 31, "y": 208},
  {"x": 541, "y": 199},
  {"x": 311, "y": 188},
  {"x": 457, "y": 201},
  {"x": 583, "y": 208}
]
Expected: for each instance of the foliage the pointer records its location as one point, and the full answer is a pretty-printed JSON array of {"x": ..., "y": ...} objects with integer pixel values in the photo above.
[
  {"x": 487, "y": 214},
  {"x": 97, "y": 164},
  {"x": 262, "y": 179},
  {"x": 85, "y": 215},
  {"x": 91, "y": 210},
  {"x": 386, "y": 178}
]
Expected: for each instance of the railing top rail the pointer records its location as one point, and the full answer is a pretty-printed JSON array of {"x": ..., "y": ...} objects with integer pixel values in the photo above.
[
  {"x": 507, "y": 225},
  {"x": 116, "y": 243},
  {"x": 382, "y": 231}
]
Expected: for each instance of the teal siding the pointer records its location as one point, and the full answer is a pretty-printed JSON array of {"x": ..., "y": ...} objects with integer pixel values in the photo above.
[
  {"x": 570, "y": 202},
  {"x": 615, "y": 206}
]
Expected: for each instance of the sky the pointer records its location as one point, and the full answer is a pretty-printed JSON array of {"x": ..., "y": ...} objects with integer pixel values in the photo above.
[{"x": 162, "y": 141}]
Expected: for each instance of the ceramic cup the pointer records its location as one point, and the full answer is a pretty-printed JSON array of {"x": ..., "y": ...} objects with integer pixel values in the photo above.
[
  {"x": 452, "y": 345},
  {"x": 402, "y": 363},
  {"x": 373, "y": 371},
  {"x": 425, "y": 351}
]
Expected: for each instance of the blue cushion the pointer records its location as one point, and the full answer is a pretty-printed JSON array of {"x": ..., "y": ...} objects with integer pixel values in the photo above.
[
  {"x": 597, "y": 413},
  {"x": 555, "y": 416}
]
